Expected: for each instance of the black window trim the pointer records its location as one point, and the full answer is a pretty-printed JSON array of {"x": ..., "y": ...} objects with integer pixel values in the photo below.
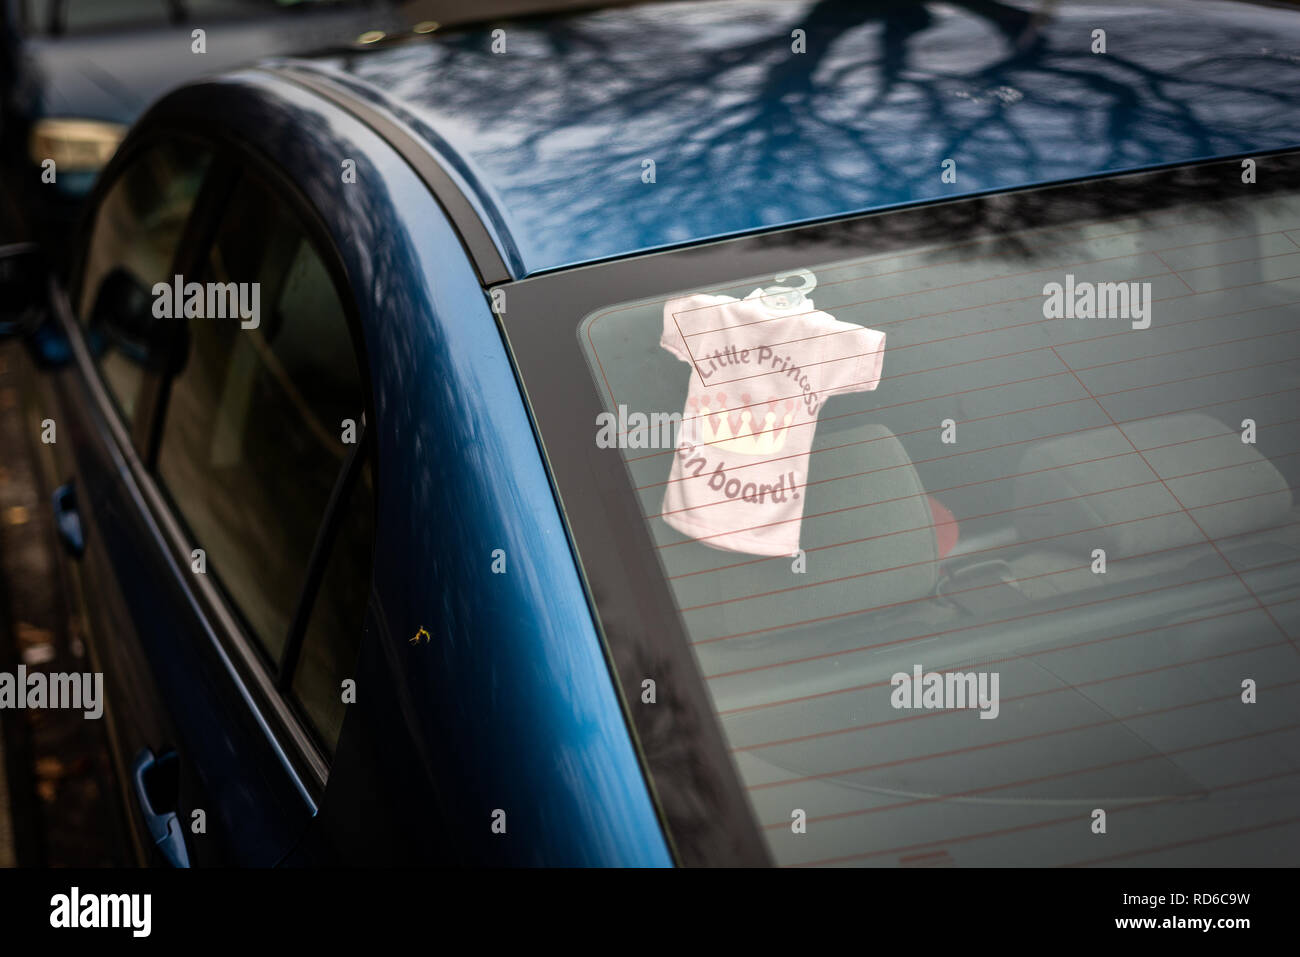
[{"x": 339, "y": 504}]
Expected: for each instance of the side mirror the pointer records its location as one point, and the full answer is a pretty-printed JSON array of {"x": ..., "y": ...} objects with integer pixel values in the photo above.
[
  {"x": 122, "y": 317},
  {"x": 24, "y": 288}
]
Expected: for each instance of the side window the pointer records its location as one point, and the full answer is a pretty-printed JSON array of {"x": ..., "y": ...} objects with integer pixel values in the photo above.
[
  {"x": 259, "y": 425},
  {"x": 137, "y": 228}
]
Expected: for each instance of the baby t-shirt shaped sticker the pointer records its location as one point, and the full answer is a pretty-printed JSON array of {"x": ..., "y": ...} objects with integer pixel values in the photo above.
[{"x": 761, "y": 374}]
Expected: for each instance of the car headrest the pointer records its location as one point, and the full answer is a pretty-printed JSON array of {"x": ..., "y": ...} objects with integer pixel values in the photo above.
[{"x": 1139, "y": 503}]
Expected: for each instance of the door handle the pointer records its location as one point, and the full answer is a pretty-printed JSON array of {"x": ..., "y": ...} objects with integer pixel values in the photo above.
[
  {"x": 155, "y": 781},
  {"x": 68, "y": 520}
]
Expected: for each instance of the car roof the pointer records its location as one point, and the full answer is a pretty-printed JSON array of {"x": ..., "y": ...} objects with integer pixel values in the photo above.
[{"x": 602, "y": 134}]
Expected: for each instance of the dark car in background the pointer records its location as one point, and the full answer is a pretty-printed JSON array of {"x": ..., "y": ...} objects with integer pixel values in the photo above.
[
  {"x": 385, "y": 564},
  {"x": 75, "y": 74}
]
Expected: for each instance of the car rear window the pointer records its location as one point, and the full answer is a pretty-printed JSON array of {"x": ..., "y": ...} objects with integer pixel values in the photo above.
[{"x": 985, "y": 549}]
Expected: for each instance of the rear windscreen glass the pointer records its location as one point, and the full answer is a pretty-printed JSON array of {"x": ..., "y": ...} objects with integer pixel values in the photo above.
[{"x": 986, "y": 551}]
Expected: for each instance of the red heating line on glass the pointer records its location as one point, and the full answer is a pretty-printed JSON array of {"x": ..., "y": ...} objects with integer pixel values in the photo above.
[
  {"x": 949, "y": 631},
  {"x": 959, "y": 393},
  {"x": 959, "y": 591},
  {"x": 1011, "y": 355},
  {"x": 595, "y": 352},
  {"x": 1099, "y": 365},
  {"x": 966, "y": 518},
  {"x": 804, "y": 699},
  {"x": 974, "y": 792},
  {"x": 1067, "y": 819},
  {"x": 998, "y": 478},
  {"x": 994, "y": 448},
  {"x": 981, "y": 332},
  {"x": 1003, "y": 302},
  {"x": 1187, "y": 842},
  {"x": 1010, "y": 326},
  {"x": 924, "y": 715},
  {"x": 855, "y": 541}
]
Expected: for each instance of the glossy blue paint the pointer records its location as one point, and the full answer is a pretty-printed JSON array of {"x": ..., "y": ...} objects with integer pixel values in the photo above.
[
  {"x": 511, "y": 703},
  {"x": 552, "y": 135}
]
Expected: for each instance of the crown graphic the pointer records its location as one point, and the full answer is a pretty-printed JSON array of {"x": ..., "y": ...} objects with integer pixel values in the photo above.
[{"x": 735, "y": 431}]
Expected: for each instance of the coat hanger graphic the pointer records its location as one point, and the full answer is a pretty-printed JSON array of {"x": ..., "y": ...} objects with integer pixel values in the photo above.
[{"x": 784, "y": 297}]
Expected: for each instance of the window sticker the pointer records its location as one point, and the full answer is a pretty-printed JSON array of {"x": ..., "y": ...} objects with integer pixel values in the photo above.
[{"x": 763, "y": 367}]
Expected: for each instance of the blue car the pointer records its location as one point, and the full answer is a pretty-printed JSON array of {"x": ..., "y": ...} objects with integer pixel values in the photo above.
[{"x": 801, "y": 433}]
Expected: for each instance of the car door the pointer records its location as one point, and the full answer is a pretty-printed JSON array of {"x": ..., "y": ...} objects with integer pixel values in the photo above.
[{"x": 212, "y": 451}]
